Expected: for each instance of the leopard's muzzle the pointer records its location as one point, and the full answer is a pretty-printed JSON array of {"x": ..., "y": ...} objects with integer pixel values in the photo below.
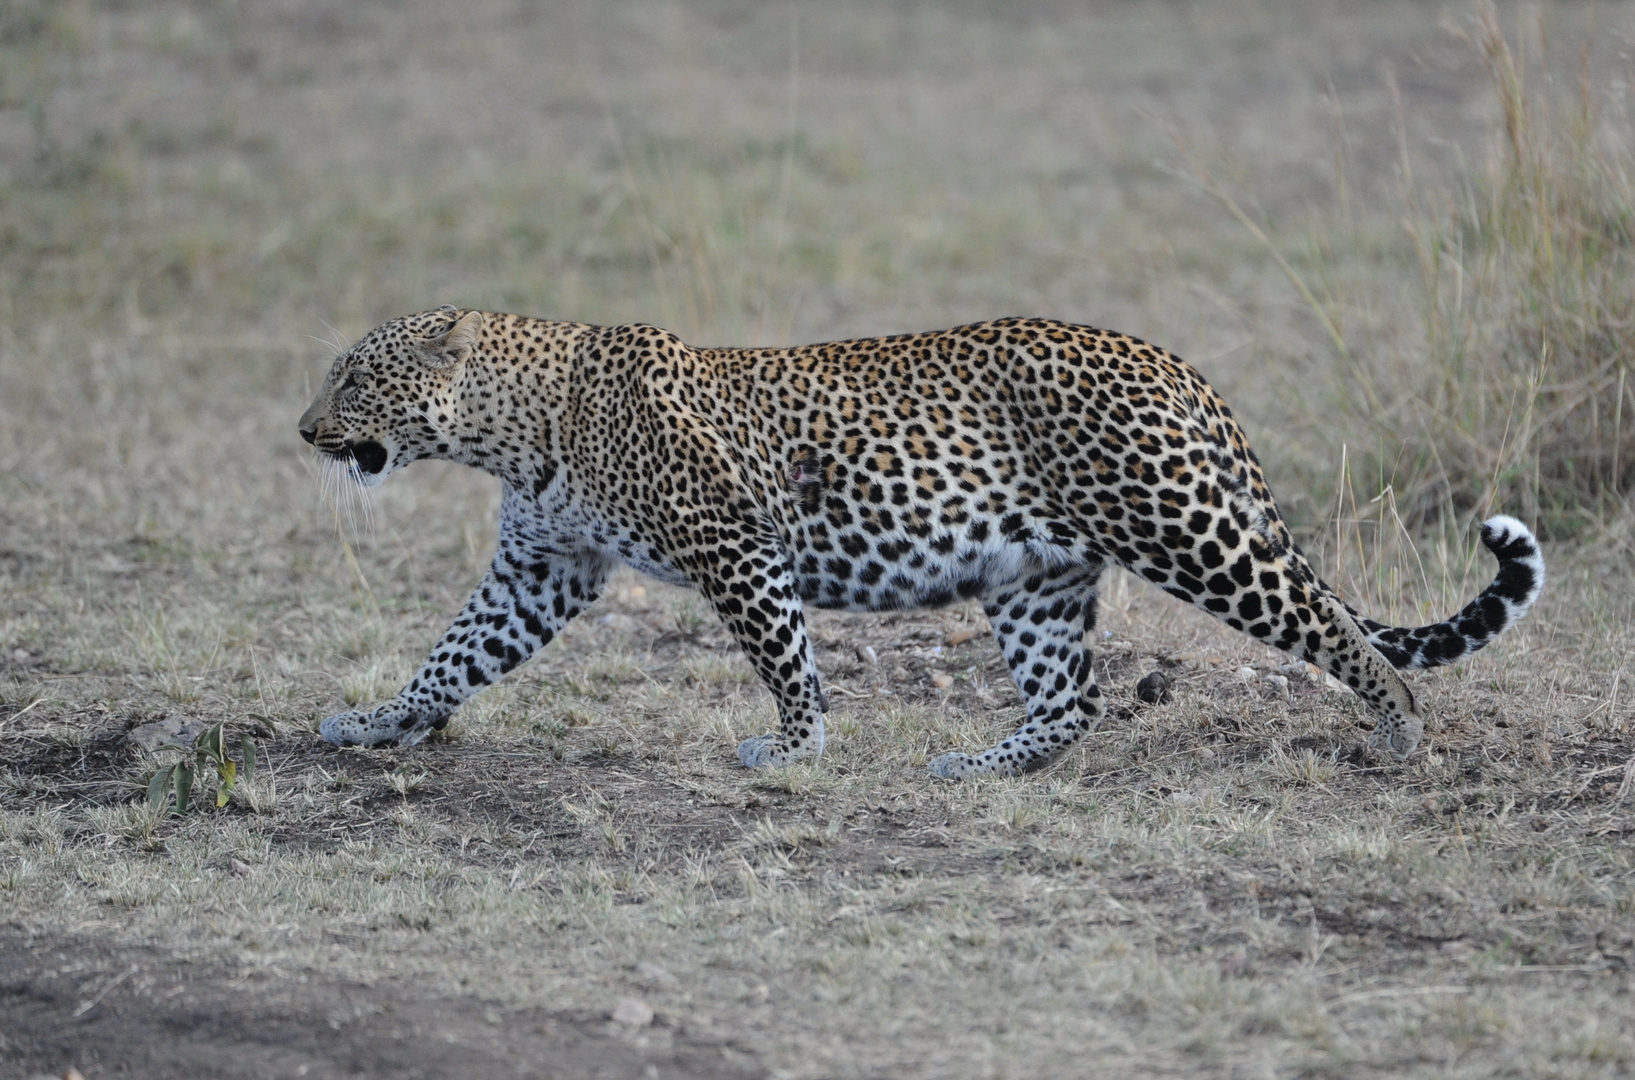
[{"x": 369, "y": 455}]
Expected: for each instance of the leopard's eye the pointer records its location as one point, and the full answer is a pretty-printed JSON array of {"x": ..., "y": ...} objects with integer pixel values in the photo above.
[{"x": 351, "y": 381}]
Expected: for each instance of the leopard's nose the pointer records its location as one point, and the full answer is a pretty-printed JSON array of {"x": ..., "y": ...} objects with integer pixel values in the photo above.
[{"x": 308, "y": 424}]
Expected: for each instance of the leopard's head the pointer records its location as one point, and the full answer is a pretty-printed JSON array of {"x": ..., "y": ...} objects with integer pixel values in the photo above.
[{"x": 393, "y": 398}]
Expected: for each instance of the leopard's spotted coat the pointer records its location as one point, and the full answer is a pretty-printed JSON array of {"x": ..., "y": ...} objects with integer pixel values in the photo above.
[{"x": 1009, "y": 460}]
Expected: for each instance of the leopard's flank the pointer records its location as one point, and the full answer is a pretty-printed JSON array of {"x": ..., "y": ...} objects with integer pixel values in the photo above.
[{"x": 1010, "y": 461}]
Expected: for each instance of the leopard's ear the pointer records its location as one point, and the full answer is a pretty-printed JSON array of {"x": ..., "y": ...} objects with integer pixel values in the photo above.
[{"x": 455, "y": 345}]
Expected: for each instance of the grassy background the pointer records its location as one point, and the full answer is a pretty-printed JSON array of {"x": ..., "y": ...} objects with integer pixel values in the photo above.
[{"x": 200, "y": 203}]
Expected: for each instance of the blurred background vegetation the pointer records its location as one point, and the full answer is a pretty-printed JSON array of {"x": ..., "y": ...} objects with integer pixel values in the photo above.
[{"x": 1396, "y": 235}]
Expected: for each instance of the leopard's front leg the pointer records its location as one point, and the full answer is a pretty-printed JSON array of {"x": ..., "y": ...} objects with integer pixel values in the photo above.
[
  {"x": 750, "y": 581},
  {"x": 524, "y": 599}
]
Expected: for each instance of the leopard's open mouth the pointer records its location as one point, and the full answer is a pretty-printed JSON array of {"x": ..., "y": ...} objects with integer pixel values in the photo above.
[{"x": 369, "y": 455}]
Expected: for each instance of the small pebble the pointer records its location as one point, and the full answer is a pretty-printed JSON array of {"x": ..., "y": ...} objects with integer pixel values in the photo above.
[
  {"x": 941, "y": 681},
  {"x": 632, "y": 1011},
  {"x": 1154, "y": 688},
  {"x": 1248, "y": 674},
  {"x": 960, "y": 637},
  {"x": 171, "y": 730},
  {"x": 654, "y": 973}
]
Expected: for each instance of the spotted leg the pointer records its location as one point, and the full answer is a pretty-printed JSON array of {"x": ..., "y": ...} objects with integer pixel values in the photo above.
[
  {"x": 750, "y": 581},
  {"x": 1334, "y": 642},
  {"x": 524, "y": 599},
  {"x": 1041, "y": 620},
  {"x": 1242, "y": 572},
  {"x": 1317, "y": 628},
  {"x": 732, "y": 554}
]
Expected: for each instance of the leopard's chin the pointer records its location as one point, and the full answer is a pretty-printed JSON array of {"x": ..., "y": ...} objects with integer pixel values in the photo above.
[
  {"x": 369, "y": 456},
  {"x": 367, "y": 459}
]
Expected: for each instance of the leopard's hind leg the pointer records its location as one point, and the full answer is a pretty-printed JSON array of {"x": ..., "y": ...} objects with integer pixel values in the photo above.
[
  {"x": 1333, "y": 641},
  {"x": 1041, "y": 620},
  {"x": 1231, "y": 564}
]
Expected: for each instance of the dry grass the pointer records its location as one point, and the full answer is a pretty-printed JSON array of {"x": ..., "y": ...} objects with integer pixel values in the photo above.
[
  {"x": 1479, "y": 356},
  {"x": 1222, "y": 885}
]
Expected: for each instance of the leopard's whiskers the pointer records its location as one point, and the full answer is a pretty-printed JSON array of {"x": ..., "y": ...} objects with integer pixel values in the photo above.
[{"x": 342, "y": 491}]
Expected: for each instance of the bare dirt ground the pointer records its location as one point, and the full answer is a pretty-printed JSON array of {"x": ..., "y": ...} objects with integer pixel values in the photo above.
[
  {"x": 1221, "y": 885},
  {"x": 133, "y": 1011}
]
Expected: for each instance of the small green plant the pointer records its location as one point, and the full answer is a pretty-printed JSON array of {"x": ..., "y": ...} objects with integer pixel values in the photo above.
[
  {"x": 690, "y": 618},
  {"x": 207, "y": 752},
  {"x": 404, "y": 782}
]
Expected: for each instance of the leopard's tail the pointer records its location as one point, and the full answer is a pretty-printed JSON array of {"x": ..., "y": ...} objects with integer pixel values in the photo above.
[{"x": 1495, "y": 609}]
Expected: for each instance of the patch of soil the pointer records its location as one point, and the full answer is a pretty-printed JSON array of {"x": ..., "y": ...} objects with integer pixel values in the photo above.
[
  {"x": 116, "y": 1011},
  {"x": 96, "y": 762}
]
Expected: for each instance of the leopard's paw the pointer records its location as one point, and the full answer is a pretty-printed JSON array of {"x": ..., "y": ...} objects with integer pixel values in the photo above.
[
  {"x": 761, "y": 750},
  {"x": 1398, "y": 735},
  {"x": 955, "y": 766},
  {"x": 390, "y": 722}
]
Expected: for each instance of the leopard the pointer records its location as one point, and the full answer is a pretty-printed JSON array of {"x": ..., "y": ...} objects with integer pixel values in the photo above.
[{"x": 1009, "y": 462}]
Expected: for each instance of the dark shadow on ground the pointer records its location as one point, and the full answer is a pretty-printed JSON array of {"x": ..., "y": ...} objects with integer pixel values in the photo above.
[{"x": 116, "y": 1011}]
